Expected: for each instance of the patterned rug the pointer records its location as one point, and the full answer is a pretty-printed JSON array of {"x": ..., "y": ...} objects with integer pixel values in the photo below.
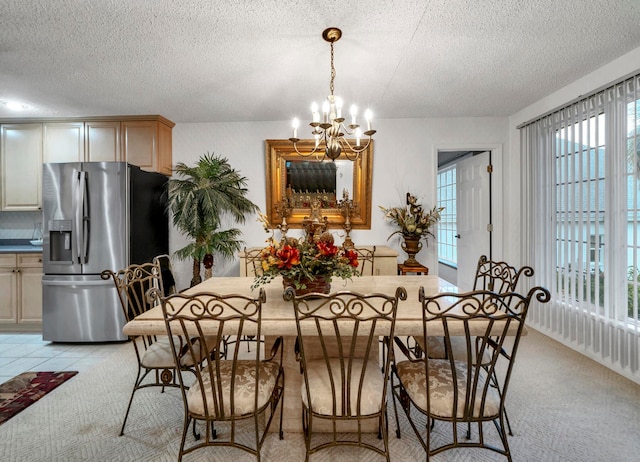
[{"x": 25, "y": 389}]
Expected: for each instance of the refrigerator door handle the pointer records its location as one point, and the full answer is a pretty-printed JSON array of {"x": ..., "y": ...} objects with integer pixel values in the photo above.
[
  {"x": 85, "y": 216},
  {"x": 79, "y": 199}
]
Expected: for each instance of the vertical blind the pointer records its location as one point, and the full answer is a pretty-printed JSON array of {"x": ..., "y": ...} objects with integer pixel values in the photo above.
[{"x": 581, "y": 213}]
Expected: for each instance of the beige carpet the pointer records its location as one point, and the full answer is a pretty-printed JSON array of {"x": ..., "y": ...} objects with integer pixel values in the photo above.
[{"x": 564, "y": 407}]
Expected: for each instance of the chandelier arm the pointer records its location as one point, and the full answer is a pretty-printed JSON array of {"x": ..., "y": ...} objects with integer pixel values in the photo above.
[
  {"x": 355, "y": 149},
  {"x": 304, "y": 154}
]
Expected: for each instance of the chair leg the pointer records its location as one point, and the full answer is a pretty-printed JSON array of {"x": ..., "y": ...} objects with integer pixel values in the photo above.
[
  {"x": 126, "y": 415},
  {"x": 395, "y": 406},
  {"x": 506, "y": 418},
  {"x": 281, "y": 434},
  {"x": 139, "y": 378},
  {"x": 196, "y": 436}
]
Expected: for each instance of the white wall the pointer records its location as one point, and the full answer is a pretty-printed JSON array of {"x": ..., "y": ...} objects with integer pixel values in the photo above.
[{"x": 403, "y": 160}]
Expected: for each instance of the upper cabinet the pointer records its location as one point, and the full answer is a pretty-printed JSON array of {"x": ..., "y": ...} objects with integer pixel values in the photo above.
[
  {"x": 63, "y": 142},
  {"x": 147, "y": 144},
  {"x": 21, "y": 166},
  {"x": 144, "y": 141},
  {"x": 102, "y": 141}
]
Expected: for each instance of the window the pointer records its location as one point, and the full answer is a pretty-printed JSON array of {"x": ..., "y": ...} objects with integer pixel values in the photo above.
[
  {"x": 580, "y": 217},
  {"x": 581, "y": 222},
  {"x": 447, "y": 228}
]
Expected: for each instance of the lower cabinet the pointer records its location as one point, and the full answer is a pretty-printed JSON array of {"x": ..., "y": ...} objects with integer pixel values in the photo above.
[{"x": 21, "y": 290}]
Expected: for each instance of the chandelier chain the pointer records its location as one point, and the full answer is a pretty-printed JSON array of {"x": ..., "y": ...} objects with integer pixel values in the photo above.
[{"x": 333, "y": 72}]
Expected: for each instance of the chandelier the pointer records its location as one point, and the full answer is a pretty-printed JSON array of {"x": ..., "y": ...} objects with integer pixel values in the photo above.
[{"x": 328, "y": 128}]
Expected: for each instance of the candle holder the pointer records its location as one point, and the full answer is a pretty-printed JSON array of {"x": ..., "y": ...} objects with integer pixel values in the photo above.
[
  {"x": 347, "y": 207},
  {"x": 284, "y": 209}
]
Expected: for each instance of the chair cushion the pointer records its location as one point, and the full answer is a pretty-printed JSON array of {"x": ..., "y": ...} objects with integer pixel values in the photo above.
[
  {"x": 243, "y": 392},
  {"x": 159, "y": 356},
  {"x": 435, "y": 348},
  {"x": 413, "y": 378},
  {"x": 321, "y": 396}
]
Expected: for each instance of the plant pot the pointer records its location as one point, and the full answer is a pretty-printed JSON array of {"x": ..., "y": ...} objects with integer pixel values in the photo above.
[
  {"x": 320, "y": 284},
  {"x": 412, "y": 246}
]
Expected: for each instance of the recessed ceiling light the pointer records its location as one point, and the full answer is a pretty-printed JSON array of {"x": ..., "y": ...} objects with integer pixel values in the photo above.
[{"x": 15, "y": 105}]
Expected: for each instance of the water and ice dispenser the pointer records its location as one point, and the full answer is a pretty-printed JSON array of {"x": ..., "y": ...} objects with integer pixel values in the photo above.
[{"x": 60, "y": 241}]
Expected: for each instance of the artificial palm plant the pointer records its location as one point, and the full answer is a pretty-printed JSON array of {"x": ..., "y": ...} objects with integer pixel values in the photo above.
[{"x": 199, "y": 199}]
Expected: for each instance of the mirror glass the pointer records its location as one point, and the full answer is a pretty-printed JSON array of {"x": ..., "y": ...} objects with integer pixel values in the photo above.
[{"x": 294, "y": 182}]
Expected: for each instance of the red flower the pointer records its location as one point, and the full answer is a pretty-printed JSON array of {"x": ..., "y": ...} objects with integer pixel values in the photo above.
[
  {"x": 352, "y": 256},
  {"x": 327, "y": 249},
  {"x": 289, "y": 256}
]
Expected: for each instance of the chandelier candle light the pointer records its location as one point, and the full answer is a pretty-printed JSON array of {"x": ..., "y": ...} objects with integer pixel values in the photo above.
[{"x": 329, "y": 132}]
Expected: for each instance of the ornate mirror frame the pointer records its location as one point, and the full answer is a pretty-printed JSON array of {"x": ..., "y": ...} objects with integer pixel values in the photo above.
[{"x": 278, "y": 152}]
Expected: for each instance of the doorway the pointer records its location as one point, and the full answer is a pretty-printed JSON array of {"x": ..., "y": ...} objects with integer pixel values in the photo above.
[{"x": 470, "y": 221}]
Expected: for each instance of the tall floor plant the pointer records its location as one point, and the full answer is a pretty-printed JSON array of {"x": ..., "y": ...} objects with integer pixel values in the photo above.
[{"x": 199, "y": 198}]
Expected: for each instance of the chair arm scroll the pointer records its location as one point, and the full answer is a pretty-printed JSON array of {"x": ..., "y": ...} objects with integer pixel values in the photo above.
[{"x": 277, "y": 346}]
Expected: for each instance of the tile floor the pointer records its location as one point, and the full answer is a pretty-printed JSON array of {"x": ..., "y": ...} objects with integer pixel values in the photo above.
[{"x": 21, "y": 352}]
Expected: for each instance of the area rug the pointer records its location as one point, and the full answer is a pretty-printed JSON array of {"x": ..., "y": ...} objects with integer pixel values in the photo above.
[{"x": 25, "y": 389}]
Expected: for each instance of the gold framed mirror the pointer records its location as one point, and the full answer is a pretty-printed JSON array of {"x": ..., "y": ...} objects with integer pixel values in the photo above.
[{"x": 295, "y": 183}]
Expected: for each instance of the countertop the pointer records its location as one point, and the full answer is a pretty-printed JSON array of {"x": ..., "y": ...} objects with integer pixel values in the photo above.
[{"x": 18, "y": 246}]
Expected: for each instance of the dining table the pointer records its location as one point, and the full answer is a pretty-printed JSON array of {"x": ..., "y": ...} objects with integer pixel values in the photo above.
[{"x": 278, "y": 319}]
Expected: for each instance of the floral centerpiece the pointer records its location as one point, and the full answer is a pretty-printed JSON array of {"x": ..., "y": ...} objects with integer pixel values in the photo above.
[
  {"x": 415, "y": 224},
  {"x": 305, "y": 264}
]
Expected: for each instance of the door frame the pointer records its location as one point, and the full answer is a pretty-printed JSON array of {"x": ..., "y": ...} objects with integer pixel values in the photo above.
[{"x": 497, "y": 189}]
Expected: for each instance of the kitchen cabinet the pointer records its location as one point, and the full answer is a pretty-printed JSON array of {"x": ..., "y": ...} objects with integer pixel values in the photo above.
[
  {"x": 147, "y": 144},
  {"x": 21, "y": 290},
  {"x": 63, "y": 142},
  {"x": 21, "y": 166},
  {"x": 145, "y": 141},
  {"x": 102, "y": 141}
]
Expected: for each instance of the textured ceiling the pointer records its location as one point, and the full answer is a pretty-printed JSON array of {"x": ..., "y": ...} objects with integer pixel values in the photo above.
[{"x": 259, "y": 60}]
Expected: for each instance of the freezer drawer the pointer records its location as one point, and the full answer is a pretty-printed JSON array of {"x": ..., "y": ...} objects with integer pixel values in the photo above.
[{"x": 80, "y": 309}]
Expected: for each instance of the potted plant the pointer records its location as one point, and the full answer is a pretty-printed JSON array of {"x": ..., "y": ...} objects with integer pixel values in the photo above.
[
  {"x": 305, "y": 264},
  {"x": 199, "y": 199},
  {"x": 415, "y": 224}
]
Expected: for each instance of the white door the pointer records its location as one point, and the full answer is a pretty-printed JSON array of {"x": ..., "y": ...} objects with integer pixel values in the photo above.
[{"x": 474, "y": 216}]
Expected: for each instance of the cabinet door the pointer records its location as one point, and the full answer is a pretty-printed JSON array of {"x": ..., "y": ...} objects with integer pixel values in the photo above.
[
  {"x": 140, "y": 143},
  {"x": 21, "y": 166},
  {"x": 63, "y": 142},
  {"x": 165, "y": 141},
  {"x": 102, "y": 141},
  {"x": 30, "y": 290},
  {"x": 8, "y": 300}
]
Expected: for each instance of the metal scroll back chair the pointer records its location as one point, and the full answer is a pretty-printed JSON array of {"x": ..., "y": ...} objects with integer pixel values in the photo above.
[
  {"x": 152, "y": 352},
  {"x": 253, "y": 262},
  {"x": 337, "y": 347},
  {"x": 166, "y": 274},
  {"x": 460, "y": 391},
  {"x": 499, "y": 276},
  {"x": 227, "y": 390},
  {"x": 252, "y": 267},
  {"x": 366, "y": 260},
  {"x": 494, "y": 276}
]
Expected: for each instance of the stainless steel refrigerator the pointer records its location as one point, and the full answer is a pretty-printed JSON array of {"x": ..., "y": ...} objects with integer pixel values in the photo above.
[{"x": 96, "y": 216}]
